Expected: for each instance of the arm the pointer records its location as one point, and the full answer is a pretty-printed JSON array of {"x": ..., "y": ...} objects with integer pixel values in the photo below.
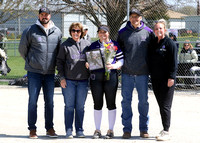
[
  {"x": 194, "y": 56},
  {"x": 120, "y": 41},
  {"x": 117, "y": 65},
  {"x": 24, "y": 44},
  {"x": 119, "y": 58},
  {"x": 172, "y": 64},
  {"x": 60, "y": 62}
]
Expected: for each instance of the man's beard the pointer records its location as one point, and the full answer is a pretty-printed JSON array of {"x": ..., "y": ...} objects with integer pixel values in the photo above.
[{"x": 44, "y": 21}]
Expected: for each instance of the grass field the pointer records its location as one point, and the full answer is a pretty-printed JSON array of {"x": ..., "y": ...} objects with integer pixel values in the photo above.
[
  {"x": 17, "y": 68},
  {"x": 16, "y": 63}
]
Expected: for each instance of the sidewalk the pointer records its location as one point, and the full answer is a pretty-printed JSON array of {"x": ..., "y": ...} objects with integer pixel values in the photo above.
[{"x": 185, "y": 126}]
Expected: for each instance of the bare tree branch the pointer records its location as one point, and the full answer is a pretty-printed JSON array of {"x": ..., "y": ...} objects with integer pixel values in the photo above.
[
  {"x": 12, "y": 9},
  {"x": 113, "y": 11}
]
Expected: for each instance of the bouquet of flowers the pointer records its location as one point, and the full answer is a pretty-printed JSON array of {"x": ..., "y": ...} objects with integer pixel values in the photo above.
[{"x": 109, "y": 54}]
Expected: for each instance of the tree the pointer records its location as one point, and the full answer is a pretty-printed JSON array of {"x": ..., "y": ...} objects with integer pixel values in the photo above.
[
  {"x": 188, "y": 10},
  {"x": 157, "y": 12},
  {"x": 188, "y": 7},
  {"x": 113, "y": 11},
  {"x": 10, "y": 9}
]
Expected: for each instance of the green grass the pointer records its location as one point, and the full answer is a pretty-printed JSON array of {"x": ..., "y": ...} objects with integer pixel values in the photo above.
[
  {"x": 17, "y": 68},
  {"x": 3, "y": 82}
]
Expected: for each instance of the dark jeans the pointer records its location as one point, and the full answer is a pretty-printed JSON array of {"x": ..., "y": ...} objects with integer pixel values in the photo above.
[
  {"x": 164, "y": 96},
  {"x": 35, "y": 82},
  {"x": 99, "y": 86}
]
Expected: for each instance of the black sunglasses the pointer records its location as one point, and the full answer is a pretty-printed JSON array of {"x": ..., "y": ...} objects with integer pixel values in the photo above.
[{"x": 73, "y": 30}]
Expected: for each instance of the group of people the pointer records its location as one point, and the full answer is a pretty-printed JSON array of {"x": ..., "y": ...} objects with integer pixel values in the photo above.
[{"x": 140, "y": 52}]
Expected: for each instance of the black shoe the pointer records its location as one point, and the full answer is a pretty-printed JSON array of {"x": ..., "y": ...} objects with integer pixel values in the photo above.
[
  {"x": 109, "y": 135},
  {"x": 97, "y": 134}
]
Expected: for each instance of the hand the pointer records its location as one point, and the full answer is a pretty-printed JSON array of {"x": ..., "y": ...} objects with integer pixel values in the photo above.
[
  {"x": 63, "y": 83},
  {"x": 87, "y": 65},
  {"x": 119, "y": 68},
  {"x": 170, "y": 82},
  {"x": 109, "y": 66}
]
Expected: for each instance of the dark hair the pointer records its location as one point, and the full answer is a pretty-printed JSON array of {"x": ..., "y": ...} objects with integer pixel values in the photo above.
[{"x": 172, "y": 35}]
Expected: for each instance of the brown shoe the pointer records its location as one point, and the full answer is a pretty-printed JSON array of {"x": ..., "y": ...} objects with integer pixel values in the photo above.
[
  {"x": 51, "y": 133},
  {"x": 33, "y": 134},
  {"x": 126, "y": 135},
  {"x": 144, "y": 134}
]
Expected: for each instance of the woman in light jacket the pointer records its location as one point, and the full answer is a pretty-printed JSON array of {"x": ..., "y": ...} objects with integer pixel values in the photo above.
[{"x": 187, "y": 59}]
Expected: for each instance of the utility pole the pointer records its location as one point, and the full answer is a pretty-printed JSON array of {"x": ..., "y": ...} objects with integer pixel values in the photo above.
[
  {"x": 198, "y": 7},
  {"x": 45, "y": 3},
  {"x": 128, "y": 9}
]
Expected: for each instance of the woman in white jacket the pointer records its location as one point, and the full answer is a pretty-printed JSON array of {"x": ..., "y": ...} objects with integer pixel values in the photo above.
[{"x": 187, "y": 59}]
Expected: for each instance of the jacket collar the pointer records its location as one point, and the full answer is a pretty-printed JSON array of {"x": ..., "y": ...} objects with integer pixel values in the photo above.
[
  {"x": 128, "y": 25},
  {"x": 47, "y": 30}
]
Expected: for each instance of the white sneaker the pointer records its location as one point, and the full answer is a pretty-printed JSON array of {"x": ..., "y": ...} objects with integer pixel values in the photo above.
[{"x": 163, "y": 136}]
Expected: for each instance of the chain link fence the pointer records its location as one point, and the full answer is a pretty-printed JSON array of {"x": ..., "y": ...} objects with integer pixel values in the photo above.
[{"x": 182, "y": 25}]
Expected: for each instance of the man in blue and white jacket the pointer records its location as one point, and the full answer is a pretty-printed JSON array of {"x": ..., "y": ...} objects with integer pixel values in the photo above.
[
  {"x": 133, "y": 40},
  {"x": 39, "y": 46}
]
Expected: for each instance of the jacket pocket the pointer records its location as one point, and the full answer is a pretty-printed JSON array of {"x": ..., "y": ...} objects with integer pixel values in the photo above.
[{"x": 35, "y": 61}]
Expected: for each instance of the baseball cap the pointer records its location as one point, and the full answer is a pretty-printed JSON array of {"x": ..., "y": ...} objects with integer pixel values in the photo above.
[
  {"x": 103, "y": 27},
  {"x": 44, "y": 9},
  {"x": 135, "y": 11},
  {"x": 85, "y": 27}
]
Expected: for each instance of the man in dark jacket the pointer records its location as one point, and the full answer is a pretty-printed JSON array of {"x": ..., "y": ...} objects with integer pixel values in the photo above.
[
  {"x": 133, "y": 40},
  {"x": 39, "y": 46}
]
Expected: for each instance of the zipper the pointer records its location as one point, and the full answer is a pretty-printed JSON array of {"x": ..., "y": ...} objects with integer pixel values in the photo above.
[{"x": 46, "y": 53}]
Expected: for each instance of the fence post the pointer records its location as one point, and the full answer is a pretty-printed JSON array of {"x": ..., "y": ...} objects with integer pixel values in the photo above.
[
  {"x": 128, "y": 9},
  {"x": 15, "y": 41},
  {"x": 45, "y": 3}
]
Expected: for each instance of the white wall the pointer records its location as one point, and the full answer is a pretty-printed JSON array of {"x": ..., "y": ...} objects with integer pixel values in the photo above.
[{"x": 176, "y": 24}]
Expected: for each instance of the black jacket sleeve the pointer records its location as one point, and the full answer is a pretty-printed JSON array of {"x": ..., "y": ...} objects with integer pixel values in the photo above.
[{"x": 172, "y": 59}]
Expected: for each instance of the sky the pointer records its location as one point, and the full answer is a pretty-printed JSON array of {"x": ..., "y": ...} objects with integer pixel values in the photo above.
[{"x": 188, "y": 2}]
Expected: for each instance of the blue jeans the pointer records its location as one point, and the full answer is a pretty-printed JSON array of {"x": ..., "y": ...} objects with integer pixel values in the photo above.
[
  {"x": 75, "y": 95},
  {"x": 35, "y": 82},
  {"x": 141, "y": 84}
]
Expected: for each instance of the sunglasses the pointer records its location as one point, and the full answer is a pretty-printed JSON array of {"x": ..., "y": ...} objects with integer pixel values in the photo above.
[
  {"x": 186, "y": 45},
  {"x": 73, "y": 30}
]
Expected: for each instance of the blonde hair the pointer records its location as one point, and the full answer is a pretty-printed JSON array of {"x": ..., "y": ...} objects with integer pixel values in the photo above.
[
  {"x": 164, "y": 22},
  {"x": 76, "y": 24},
  {"x": 188, "y": 42}
]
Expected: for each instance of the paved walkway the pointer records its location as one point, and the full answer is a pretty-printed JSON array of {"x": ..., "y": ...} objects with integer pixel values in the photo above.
[{"x": 185, "y": 126}]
